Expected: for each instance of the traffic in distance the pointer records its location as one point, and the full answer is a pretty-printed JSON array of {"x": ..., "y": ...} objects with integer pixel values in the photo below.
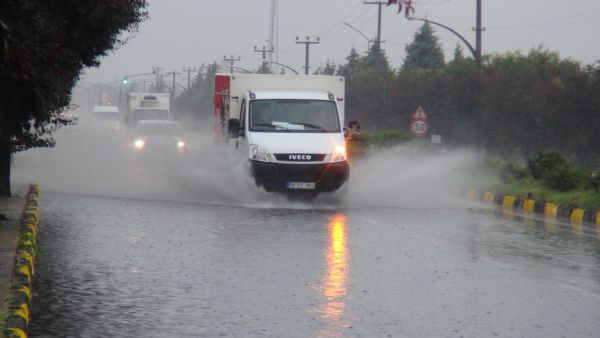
[{"x": 289, "y": 129}]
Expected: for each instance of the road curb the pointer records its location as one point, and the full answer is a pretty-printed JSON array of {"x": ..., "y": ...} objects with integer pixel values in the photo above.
[
  {"x": 17, "y": 323},
  {"x": 577, "y": 216}
]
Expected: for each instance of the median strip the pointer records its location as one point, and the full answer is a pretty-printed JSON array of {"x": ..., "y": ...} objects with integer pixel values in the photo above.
[
  {"x": 531, "y": 206},
  {"x": 19, "y": 308}
]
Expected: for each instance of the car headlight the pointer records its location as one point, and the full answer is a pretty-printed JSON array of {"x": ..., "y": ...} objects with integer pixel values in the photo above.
[
  {"x": 180, "y": 144},
  {"x": 257, "y": 154},
  {"x": 139, "y": 144},
  {"x": 339, "y": 154}
]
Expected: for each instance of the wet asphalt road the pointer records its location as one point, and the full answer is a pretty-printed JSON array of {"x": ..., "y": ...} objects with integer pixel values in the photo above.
[
  {"x": 113, "y": 267},
  {"x": 188, "y": 249}
]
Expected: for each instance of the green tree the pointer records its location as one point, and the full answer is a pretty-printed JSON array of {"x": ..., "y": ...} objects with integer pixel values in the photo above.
[
  {"x": 196, "y": 103},
  {"x": 351, "y": 66},
  {"x": 328, "y": 69},
  {"x": 42, "y": 58},
  {"x": 367, "y": 87},
  {"x": 535, "y": 102},
  {"x": 425, "y": 52}
]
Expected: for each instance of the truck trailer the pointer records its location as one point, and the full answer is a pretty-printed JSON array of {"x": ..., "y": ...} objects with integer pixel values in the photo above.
[
  {"x": 147, "y": 106},
  {"x": 288, "y": 127}
]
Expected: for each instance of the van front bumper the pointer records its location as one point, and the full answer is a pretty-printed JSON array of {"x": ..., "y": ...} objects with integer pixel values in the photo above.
[{"x": 327, "y": 177}]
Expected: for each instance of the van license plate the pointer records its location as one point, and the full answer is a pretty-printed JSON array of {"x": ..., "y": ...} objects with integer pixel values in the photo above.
[{"x": 301, "y": 185}]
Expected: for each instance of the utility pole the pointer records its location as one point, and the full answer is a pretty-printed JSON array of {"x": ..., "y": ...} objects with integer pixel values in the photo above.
[
  {"x": 264, "y": 52},
  {"x": 308, "y": 42},
  {"x": 189, "y": 71},
  {"x": 156, "y": 70},
  {"x": 174, "y": 74},
  {"x": 379, "y": 4},
  {"x": 478, "y": 29},
  {"x": 161, "y": 85},
  {"x": 231, "y": 60},
  {"x": 172, "y": 107}
]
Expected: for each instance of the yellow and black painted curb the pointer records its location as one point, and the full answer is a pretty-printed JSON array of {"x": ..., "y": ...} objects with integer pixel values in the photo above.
[
  {"x": 17, "y": 323},
  {"x": 529, "y": 206}
]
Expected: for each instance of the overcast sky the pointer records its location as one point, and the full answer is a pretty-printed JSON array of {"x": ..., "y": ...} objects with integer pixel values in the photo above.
[{"x": 184, "y": 33}]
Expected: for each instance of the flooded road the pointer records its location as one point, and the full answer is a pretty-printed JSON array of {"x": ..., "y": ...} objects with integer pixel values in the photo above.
[
  {"x": 114, "y": 267},
  {"x": 189, "y": 249}
]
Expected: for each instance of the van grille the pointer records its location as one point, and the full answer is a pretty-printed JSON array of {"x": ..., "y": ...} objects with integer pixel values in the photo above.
[{"x": 300, "y": 157}]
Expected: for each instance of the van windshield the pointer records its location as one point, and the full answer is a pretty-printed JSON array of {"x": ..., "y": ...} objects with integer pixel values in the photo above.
[{"x": 304, "y": 116}]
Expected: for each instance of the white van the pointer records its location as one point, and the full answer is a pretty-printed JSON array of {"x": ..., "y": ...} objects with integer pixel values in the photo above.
[{"x": 289, "y": 127}]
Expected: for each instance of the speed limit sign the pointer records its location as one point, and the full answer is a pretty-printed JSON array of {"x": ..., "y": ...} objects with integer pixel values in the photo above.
[{"x": 419, "y": 127}]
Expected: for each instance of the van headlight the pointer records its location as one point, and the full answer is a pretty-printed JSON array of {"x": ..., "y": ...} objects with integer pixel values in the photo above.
[
  {"x": 258, "y": 154},
  {"x": 339, "y": 155}
]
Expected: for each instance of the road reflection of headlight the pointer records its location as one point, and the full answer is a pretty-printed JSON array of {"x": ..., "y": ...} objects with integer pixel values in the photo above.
[
  {"x": 334, "y": 283},
  {"x": 139, "y": 144}
]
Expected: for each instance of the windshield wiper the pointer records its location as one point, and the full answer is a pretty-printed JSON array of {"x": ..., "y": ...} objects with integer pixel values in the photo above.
[{"x": 263, "y": 125}]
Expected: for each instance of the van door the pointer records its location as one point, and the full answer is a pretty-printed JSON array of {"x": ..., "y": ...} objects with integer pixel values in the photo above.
[{"x": 242, "y": 140}]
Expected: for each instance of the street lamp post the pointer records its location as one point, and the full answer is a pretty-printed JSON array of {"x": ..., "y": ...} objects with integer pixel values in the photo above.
[
  {"x": 475, "y": 51},
  {"x": 361, "y": 33},
  {"x": 285, "y": 66},
  {"x": 240, "y": 68},
  {"x": 476, "y": 54}
]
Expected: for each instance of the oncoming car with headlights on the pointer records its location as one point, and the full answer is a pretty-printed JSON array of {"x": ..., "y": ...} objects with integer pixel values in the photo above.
[{"x": 158, "y": 138}]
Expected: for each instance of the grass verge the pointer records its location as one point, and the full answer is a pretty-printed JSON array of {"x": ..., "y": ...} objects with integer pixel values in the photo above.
[{"x": 580, "y": 198}]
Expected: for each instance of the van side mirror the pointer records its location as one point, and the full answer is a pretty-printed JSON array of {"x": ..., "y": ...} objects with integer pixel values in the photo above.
[
  {"x": 352, "y": 133},
  {"x": 233, "y": 128},
  {"x": 354, "y": 125}
]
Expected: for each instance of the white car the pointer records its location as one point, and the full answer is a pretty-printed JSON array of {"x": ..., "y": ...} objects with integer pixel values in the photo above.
[{"x": 156, "y": 137}]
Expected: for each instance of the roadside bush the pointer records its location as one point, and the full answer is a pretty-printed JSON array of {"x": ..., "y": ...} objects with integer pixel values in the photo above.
[
  {"x": 594, "y": 182},
  {"x": 506, "y": 170},
  {"x": 565, "y": 178},
  {"x": 386, "y": 138},
  {"x": 510, "y": 170},
  {"x": 556, "y": 173},
  {"x": 542, "y": 164}
]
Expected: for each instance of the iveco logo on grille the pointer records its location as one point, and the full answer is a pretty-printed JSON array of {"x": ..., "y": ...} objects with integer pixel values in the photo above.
[{"x": 299, "y": 157}]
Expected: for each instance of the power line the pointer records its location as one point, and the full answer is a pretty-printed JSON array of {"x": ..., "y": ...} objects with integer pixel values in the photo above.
[
  {"x": 339, "y": 26},
  {"x": 189, "y": 71},
  {"x": 432, "y": 2},
  {"x": 551, "y": 23},
  {"x": 347, "y": 31},
  {"x": 336, "y": 25}
]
